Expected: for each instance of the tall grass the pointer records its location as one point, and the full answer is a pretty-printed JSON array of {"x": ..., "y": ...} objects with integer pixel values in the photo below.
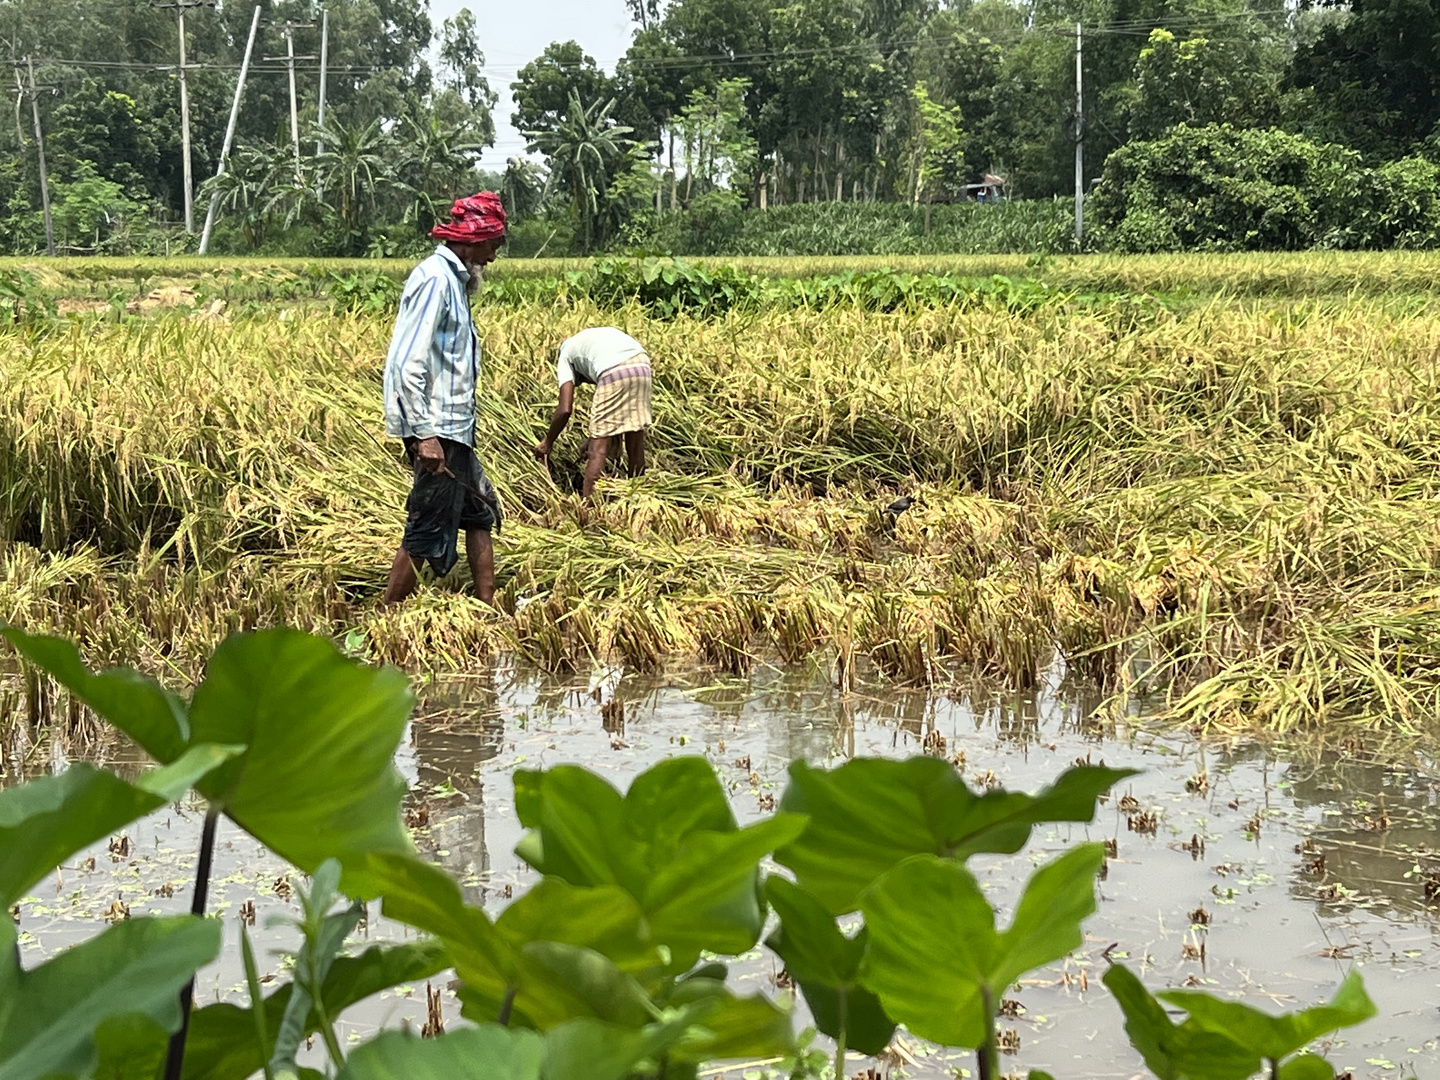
[{"x": 1234, "y": 508}]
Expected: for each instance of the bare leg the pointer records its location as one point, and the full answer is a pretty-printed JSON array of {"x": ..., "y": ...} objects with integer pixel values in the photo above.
[
  {"x": 595, "y": 463},
  {"x": 480, "y": 553},
  {"x": 635, "y": 453},
  {"x": 402, "y": 579}
]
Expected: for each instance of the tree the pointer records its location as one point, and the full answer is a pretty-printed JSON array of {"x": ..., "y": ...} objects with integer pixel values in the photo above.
[
  {"x": 1198, "y": 82},
  {"x": 719, "y": 148},
  {"x": 584, "y": 150},
  {"x": 436, "y": 160},
  {"x": 937, "y": 151},
  {"x": 1373, "y": 79},
  {"x": 543, "y": 88},
  {"x": 463, "y": 65},
  {"x": 352, "y": 172}
]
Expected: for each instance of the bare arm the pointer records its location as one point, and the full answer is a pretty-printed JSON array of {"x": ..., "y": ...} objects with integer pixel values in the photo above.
[{"x": 558, "y": 420}]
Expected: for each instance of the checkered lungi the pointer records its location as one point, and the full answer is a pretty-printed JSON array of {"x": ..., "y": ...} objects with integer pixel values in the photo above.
[{"x": 622, "y": 400}]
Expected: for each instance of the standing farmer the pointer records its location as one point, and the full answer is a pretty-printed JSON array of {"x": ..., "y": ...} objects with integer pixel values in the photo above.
[
  {"x": 620, "y": 370},
  {"x": 430, "y": 377}
]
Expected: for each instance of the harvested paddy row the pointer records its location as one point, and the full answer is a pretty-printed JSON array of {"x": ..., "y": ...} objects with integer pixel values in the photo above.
[{"x": 1232, "y": 508}]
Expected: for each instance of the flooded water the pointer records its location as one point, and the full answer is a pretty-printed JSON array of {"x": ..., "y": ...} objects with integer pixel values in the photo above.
[{"x": 1307, "y": 861}]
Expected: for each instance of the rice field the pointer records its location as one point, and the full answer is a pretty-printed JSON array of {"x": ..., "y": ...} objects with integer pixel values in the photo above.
[{"x": 1227, "y": 506}]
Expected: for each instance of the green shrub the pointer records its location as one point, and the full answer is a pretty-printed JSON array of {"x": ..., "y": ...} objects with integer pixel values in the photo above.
[{"x": 1220, "y": 188}]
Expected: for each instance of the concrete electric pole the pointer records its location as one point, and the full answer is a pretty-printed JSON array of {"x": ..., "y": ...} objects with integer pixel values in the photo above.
[
  {"x": 180, "y": 7},
  {"x": 290, "y": 58},
  {"x": 1079, "y": 136},
  {"x": 230, "y": 130},
  {"x": 32, "y": 91}
]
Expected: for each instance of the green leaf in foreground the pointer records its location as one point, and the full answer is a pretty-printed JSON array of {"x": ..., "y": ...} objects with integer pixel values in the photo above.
[
  {"x": 937, "y": 962},
  {"x": 46, "y": 821},
  {"x": 317, "y": 780},
  {"x": 872, "y": 813},
  {"x": 49, "y": 1015},
  {"x": 490, "y": 1052},
  {"x": 1276, "y": 1037},
  {"x": 826, "y": 965},
  {"x": 314, "y": 776},
  {"x": 578, "y": 1049},
  {"x": 555, "y": 954},
  {"x": 223, "y": 1044},
  {"x": 136, "y": 704},
  {"x": 1176, "y": 1051},
  {"x": 671, "y": 842}
]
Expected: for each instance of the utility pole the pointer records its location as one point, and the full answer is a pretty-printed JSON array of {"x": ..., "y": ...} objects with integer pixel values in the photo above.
[
  {"x": 180, "y": 7},
  {"x": 324, "y": 63},
  {"x": 1079, "y": 137},
  {"x": 33, "y": 92},
  {"x": 290, "y": 58},
  {"x": 230, "y": 130}
]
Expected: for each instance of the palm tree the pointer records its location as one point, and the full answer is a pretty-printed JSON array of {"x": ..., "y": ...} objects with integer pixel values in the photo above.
[
  {"x": 353, "y": 169},
  {"x": 582, "y": 148},
  {"x": 258, "y": 180}
]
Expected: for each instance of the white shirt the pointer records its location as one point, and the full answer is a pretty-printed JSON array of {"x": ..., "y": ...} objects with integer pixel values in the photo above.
[{"x": 593, "y": 352}]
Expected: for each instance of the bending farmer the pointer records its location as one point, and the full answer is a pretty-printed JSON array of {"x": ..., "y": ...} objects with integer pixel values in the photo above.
[
  {"x": 620, "y": 370},
  {"x": 430, "y": 378}
]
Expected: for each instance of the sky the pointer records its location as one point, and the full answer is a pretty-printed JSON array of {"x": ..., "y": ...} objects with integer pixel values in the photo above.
[{"x": 514, "y": 32}]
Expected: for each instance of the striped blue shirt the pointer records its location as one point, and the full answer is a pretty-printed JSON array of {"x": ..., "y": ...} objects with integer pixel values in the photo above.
[{"x": 434, "y": 360}]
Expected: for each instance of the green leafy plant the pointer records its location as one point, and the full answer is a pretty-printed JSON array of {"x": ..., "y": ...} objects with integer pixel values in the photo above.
[{"x": 1227, "y": 1040}]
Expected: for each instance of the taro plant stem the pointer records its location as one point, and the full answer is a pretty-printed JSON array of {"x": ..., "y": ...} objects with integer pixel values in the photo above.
[
  {"x": 176, "y": 1058},
  {"x": 988, "y": 1054},
  {"x": 257, "y": 998},
  {"x": 505, "y": 1006},
  {"x": 844, "y": 1001}
]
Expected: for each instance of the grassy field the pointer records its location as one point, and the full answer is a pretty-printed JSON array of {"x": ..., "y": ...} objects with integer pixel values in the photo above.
[
  {"x": 1234, "y": 507},
  {"x": 1335, "y": 276}
]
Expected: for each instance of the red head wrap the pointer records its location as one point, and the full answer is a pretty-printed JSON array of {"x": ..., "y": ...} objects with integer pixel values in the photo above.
[{"x": 474, "y": 220}]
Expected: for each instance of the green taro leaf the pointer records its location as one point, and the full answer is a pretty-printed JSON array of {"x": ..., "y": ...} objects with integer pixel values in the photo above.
[
  {"x": 135, "y": 703},
  {"x": 715, "y": 1024},
  {"x": 131, "y": 1047},
  {"x": 314, "y": 778},
  {"x": 44, "y": 822},
  {"x": 1175, "y": 1051},
  {"x": 50, "y": 1015},
  {"x": 223, "y": 1045},
  {"x": 577, "y": 1049},
  {"x": 826, "y": 965},
  {"x": 1276, "y": 1037},
  {"x": 935, "y": 955},
  {"x": 490, "y": 1052},
  {"x": 671, "y": 842},
  {"x": 872, "y": 813},
  {"x": 317, "y": 780},
  {"x": 1307, "y": 1067},
  {"x": 602, "y": 927}
]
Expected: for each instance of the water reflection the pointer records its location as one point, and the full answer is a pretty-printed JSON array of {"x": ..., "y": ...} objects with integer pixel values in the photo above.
[{"x": 1303, "y": 861}]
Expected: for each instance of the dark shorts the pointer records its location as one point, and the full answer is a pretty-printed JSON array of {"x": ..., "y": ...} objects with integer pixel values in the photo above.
[{"x": 441, "y": 505}]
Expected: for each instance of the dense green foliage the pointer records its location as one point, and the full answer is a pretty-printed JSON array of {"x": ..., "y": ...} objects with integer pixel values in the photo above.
[
  {"x": 1220, "y": 188},
  {"x": 722, "y": 108},
  {"x": 614, "y": 965}
]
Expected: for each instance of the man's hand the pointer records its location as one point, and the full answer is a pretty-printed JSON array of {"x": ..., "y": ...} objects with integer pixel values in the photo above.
[
  {"x": 430, "y": 454},
  {"x": 541, "y": 450}
]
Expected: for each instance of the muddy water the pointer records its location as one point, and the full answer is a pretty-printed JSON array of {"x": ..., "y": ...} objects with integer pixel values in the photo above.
[{"x": 1307, "y": 862}]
